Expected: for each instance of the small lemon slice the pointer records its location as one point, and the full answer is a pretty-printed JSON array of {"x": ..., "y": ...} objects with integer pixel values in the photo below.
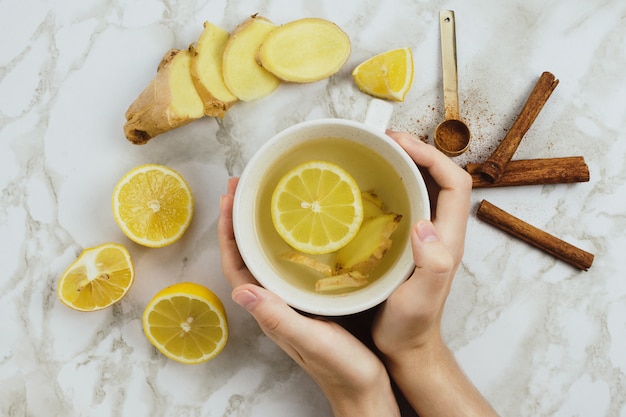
[
  {"x": 388, "y": 75},
  {"x": 186, "y": 322},
  {"x": 316, "y": 207},
  {"x": 99, "y": 277},
  {"x": 153, "y": 205}
]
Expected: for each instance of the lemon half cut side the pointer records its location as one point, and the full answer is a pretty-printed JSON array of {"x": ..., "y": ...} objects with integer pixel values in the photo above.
[
  {"x": 153, "y": 205},
  {"x": 99, "y": 277},
  {"x": 186, "y": 322}
]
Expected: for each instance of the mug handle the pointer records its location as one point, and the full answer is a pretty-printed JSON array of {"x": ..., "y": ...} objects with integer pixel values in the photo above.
[{"x": 378, "y": 115}]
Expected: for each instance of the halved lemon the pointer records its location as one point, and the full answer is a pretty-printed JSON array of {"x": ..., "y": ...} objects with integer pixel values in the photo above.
[
  {"x": 99, "y": 277},
  {"x": 316, "y": 207},
  {"x": 153, "y": 205},
  {"x": 186, "y": 322},
  {"x": 388, "y": 75}
]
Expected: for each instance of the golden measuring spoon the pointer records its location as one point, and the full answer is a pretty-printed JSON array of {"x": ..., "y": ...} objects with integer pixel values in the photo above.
[{"x": 452, "y": 136}]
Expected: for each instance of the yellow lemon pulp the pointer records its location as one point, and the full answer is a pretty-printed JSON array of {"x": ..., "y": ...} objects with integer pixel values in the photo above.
[
  {"x": 388, "y": 75},
  {"x": 153, "y": 205},
  {"x": 99, "y": 277},
  {"x": 316, "y": 207},
  {"x": 186, "y": 322}
]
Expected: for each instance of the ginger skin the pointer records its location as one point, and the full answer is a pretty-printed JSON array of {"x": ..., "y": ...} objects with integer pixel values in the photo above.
[{"x": 168, "y": 102}]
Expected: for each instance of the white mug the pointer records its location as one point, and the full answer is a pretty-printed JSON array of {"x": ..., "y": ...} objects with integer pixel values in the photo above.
[{"x": 375, "y": 161}]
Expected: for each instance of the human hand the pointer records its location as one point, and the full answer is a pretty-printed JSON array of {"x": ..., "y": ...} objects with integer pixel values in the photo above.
[
  {"x": 407, "y": 327},
  {"x": 353, "y": 379},
  {"x": 411, "y": 317}
]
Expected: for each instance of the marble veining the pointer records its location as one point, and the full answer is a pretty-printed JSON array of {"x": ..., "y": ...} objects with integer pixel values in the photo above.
[{"x": 538, "y": 337}]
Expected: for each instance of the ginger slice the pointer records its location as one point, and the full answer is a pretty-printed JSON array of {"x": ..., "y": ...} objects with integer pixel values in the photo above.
[
  {"x": 369, "y": 246},
  {"x": 206, "y": 70},
  {"x": 372, "y": 205},
  {"x": 243, "y": 76},
  {"x": 305, "y": 50},
  {"x": 309, "y": 262},
  {"x": 169, "y": 101},
  {"x": 341, "y": 282}
]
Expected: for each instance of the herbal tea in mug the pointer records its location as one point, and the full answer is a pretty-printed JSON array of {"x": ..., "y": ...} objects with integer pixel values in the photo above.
[
  {"x": 383, "y": 190},
  {"x": 387, "y": 179}
]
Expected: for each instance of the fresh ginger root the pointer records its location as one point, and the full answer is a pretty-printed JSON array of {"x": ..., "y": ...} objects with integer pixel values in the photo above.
[
  {"x": 305, "y": 50},
  {"x": 169, "y": 101},
  {"x": 206, "y": 71},
  {"x": 243, "y": 76},
  {"x": 221, "y": 68}
]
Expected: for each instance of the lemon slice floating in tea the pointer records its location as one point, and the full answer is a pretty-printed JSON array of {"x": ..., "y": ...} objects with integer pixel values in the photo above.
[
  {"x": 388, "y": 75},
  {"x": 186, "y": 322},
  {"x": 153, "y": 205},
  {"x": 99, "y": 277},
  {"x": 316, "y": 207}
]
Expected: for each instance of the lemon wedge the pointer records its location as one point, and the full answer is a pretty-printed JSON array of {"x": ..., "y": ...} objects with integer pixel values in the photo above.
[{"x": 388, "y": 75}]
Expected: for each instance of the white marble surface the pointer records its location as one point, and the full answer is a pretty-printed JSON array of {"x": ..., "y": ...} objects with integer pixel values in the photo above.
[{"x": 538, "y": 337}]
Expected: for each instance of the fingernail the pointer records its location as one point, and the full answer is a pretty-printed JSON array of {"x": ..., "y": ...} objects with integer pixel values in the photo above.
[
  {"x": 427, "y": 232},
  {"x": 245, "y": 298}
]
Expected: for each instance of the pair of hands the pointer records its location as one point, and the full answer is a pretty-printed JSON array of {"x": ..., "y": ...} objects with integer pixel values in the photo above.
[{"x": 406, "y": 328}]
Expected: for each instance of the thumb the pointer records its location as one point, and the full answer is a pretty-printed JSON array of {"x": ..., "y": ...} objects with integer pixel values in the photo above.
[
  {"x": 432, "y": 259},
  {"x": 278, "y": 321}
]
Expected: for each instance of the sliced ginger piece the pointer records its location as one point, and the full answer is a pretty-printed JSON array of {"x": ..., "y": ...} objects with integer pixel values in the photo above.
[
  {"x": 373, "y": 206},
  {"x": 305, "y": 50},
  {"x": 309, "y": 262},
  {"x": 369, "y": 246},
  {"x": 169, "y": 101},
  {"x": 341, "y": 282},
  {"x": 206, "y": 71},
  {"x": 243, "y": 76}
]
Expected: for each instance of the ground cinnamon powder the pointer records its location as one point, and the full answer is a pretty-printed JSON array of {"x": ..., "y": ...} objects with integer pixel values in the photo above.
[{"x": 452, "y": 136}]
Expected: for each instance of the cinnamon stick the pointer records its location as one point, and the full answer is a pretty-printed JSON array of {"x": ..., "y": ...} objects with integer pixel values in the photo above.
[
  {"x": 534, "y": 236},
  {"x": 495, "y": 165},
  {"x": 534, "y": 172}
]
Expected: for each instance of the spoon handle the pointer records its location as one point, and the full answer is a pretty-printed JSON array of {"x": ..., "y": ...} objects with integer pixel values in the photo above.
[{"x": 449, "y": 66}]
